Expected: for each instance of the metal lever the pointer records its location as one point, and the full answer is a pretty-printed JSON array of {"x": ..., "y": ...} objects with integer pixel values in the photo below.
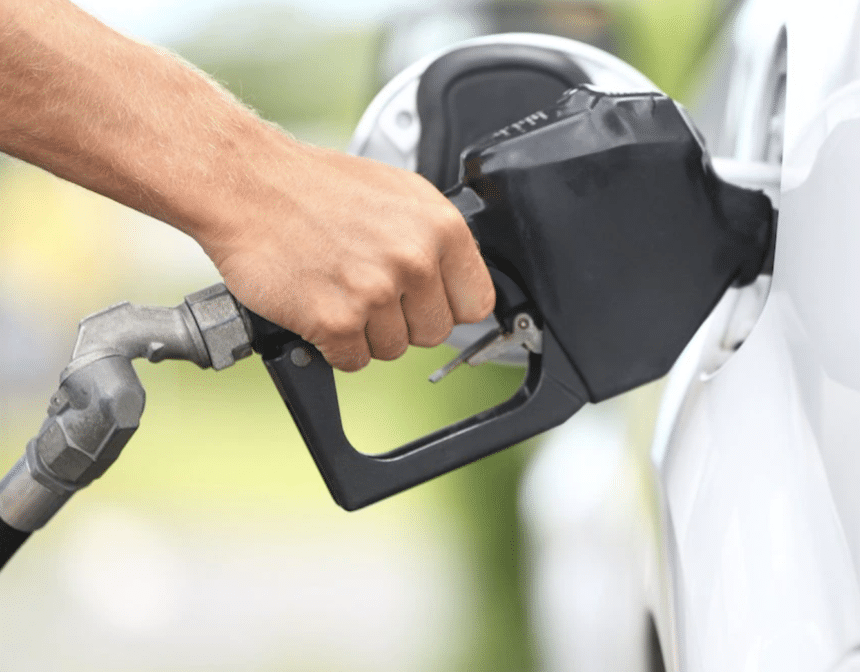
[
  {"x": 495, "y": 343},
  {"x": 466, "y": 353}
]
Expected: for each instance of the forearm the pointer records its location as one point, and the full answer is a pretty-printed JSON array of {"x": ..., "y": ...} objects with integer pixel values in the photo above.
[{"x": 122, "y": 118}]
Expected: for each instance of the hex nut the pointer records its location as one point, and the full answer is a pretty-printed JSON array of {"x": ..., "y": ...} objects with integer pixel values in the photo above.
[
  {"x": 60, "y": 455},
  {"x": 84, "y": 436},
  {"x": 221, "y": 325}
]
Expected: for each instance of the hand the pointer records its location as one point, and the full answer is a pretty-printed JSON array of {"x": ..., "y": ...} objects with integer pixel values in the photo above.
[{"x": 358, "y": 258}]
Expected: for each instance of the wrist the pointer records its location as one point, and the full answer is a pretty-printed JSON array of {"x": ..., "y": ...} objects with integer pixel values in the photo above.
[{"x": 243, "y": 181}]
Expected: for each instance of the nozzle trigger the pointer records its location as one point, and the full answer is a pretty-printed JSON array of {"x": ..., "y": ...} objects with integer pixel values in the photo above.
[{"x": 495, "y": 343}]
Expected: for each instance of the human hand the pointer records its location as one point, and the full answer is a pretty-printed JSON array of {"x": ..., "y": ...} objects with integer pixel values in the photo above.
[{"x": 358, "y": 258}]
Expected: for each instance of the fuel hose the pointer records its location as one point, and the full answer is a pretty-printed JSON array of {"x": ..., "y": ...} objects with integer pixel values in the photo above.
[{"x": 10, "y": 541}]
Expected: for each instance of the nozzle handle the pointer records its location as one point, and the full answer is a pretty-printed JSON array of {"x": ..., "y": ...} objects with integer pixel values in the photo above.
[{"x": 549, "y": 395}]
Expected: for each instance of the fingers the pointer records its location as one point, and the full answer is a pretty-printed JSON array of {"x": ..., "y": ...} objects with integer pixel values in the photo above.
[
  {"x": 338, "y": 334},
  {"x": 468, "y": 286},
  {"x": 349, "y": 355},
  {"x": 386, "y": 332},
  {"x": 417, "y": 300},
  {"x": 425, "y": 303},
  {"x": 363, "y": 320}
]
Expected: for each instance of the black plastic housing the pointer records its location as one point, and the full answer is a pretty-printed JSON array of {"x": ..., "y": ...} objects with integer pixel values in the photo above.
[{"x": 605, "y": 210}]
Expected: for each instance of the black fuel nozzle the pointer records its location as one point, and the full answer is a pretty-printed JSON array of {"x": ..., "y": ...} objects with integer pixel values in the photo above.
[
  {"x": 602, "y": 219},
  {"x": 607, "y": 211}
]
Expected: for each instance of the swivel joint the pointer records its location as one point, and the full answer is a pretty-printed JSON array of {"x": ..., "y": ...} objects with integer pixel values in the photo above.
[{"x": 98, "y": 405}]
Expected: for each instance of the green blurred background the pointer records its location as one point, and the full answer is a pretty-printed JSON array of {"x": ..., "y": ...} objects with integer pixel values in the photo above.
[{"x": 212, "y": 544}]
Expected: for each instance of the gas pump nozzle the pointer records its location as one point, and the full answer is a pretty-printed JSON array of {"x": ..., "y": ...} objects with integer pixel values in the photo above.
[{"x": 609, "y": 238}]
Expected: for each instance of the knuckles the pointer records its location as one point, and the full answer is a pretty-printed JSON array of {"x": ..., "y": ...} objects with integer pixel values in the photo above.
[
  {"x": 417, "y": 264},
  {"x": 389, "y": 351},
  {"x": 432, "y": 340},
  {"x": 334, "y": 326},
  {"x": 455, "y": 227},
  {"x": 483, "y": 305},
  {"x": 373, "y": 291},
  {"x": 346, "y": 361},
  {"x": 433, "y": 332}
]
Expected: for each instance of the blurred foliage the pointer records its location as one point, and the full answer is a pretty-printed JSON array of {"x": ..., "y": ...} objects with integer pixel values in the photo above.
[
  {"x": 292, "y": 70},
  {"x": 487, "y": 495},
  {"x": 666, "y": 39}
]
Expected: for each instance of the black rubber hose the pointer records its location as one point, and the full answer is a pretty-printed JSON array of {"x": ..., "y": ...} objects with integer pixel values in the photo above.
[{"x": 10, "y": 541}]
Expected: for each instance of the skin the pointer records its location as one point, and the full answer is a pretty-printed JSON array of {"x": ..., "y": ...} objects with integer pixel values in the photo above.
[{"x": 359, "y": 258}]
